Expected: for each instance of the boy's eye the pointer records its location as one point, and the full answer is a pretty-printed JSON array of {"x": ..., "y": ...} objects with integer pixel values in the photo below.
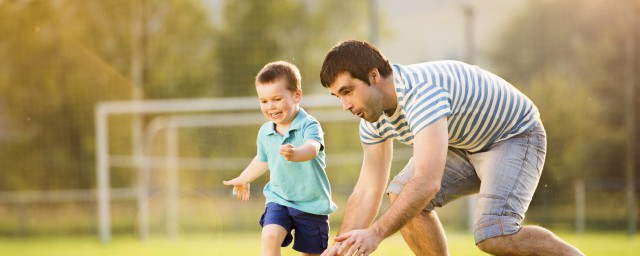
[
  {"x": 263, "y": 101},
  {"x": 277, "y": 99}
]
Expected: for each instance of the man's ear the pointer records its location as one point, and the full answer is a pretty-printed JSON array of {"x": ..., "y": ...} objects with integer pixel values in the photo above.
[{"x": 374, "y": 76}]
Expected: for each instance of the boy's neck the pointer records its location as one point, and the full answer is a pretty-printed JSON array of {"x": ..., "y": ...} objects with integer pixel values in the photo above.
[{"x": 283, "y": 128}]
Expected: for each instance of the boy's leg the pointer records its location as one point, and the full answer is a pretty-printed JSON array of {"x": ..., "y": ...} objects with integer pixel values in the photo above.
[
  {"x": 510, "y": 171},
  {"x": 276, "y": 228},
  {"x": 272, "y": 237}
]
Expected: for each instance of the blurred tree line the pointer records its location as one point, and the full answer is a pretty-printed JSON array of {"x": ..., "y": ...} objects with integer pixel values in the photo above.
[
  {"x": 59, "y": 58},
  {"x": 570, "y": 58}
]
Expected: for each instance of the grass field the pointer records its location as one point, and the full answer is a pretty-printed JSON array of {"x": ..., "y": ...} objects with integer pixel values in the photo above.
[{"x": 249, "y": 243}]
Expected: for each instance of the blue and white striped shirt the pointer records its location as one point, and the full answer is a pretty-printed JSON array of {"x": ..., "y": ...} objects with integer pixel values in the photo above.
[{"x": 481, "y": 107}]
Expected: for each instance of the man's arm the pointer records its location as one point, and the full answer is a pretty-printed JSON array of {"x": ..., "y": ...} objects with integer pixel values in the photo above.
[
  {"x": 365, "y": 200},
  {"x": 429, "y": 155}
]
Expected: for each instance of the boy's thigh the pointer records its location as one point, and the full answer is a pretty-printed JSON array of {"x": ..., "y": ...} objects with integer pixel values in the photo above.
[
  {"x": 311, "y": 231},
  {"x": 277, "y": 215},
  {"x": 458, "y": 179},
  {"x": 510, "y": 171}
]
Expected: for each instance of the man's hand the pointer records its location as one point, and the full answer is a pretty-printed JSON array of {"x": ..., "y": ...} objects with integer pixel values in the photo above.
[
  {"x": 240, "y": 188},
  {"x": 287, "y": 151},
  {"x": 358, "y": 242},
  {"x": 332, "y": 250}
]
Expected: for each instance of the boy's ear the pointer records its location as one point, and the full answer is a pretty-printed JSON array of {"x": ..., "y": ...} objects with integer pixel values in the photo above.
[{"x": 297, "y": 96}]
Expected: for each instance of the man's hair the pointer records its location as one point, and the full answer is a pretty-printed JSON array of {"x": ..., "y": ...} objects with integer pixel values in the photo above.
[
  {"x": 280, "y": 70},
  {"x": 357, "y": 58}
]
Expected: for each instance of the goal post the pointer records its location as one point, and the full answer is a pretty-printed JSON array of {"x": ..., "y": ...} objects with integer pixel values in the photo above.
[{"x": 177, "y": 107}]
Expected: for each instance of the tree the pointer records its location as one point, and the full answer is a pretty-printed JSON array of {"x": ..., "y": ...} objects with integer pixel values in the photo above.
[
  {"x": 257, "y": 32},
  {"x": 60, "y": 58},
  {"x": 569, "y": 57}
]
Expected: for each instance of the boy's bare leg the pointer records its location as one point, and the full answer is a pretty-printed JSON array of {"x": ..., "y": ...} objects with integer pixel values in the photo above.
[
  {"x": 530, "y": 240},
  {"x": 307, "y": 254},
  {"x": 272, "y": 237},
  {"x": 424, "y": 233}
]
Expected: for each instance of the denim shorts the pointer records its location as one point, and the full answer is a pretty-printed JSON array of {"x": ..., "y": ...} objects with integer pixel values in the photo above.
[
  {"x": 311, "y": 230},
  {"x": 505, "y": 176}
]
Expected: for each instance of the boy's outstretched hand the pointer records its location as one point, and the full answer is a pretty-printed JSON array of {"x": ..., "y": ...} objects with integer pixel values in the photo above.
[
  {"x": 287, "y": 151},
  {"x": 240, "y": 188}
]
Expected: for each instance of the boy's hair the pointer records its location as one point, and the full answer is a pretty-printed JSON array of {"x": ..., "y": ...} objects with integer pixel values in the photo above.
[
  {"x": 280, "y": 70},
  {"x": 357, "y": 58}
]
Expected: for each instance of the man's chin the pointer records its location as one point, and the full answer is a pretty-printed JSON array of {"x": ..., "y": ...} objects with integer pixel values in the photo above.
[{"x": 370, "y": 119}]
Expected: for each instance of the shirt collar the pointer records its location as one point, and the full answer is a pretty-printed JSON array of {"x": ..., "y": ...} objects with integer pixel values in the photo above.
[{"x": 296, "y": 124}]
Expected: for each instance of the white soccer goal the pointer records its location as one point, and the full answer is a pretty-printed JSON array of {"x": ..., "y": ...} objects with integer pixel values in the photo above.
[
  {"x": 179, "y": 117},
  {"x": 171, "y": 115}
]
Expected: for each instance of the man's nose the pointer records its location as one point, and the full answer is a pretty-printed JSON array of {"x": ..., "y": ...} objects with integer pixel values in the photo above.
[{"x": 346, "y": 105}]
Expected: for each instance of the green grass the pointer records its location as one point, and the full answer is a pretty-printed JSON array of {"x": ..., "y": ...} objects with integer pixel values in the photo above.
[{"x": 249, "y": 244}]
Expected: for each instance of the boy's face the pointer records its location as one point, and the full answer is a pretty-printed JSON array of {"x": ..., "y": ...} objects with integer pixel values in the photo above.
[{"x": 277, "y": 103}]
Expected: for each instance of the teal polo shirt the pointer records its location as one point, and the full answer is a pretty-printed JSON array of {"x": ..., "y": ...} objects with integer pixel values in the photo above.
[{"x": 301, "y": 185}]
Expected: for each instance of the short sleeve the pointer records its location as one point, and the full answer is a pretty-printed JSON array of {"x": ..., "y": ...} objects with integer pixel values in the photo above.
[
  {"x": 369, "y": 134},
  {"x": 261, "y": 152},
  {"x": 313, "y": 131}
]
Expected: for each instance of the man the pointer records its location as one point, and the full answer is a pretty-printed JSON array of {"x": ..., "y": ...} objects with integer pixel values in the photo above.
[{"x": 471, "y": 132}]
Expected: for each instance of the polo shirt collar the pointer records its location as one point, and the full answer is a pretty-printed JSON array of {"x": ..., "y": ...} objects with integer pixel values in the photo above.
[{"x": 296, "y": 124}]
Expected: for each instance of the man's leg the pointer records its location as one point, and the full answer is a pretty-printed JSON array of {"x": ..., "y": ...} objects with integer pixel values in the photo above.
[
  {"x": 509, "y": 172},
  {"x": 424, "y": 233},
  {"x": 530, "y": 240}
]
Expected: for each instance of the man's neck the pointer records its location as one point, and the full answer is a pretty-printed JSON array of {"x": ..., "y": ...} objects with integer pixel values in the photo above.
[{"x": 389, "y": 99}]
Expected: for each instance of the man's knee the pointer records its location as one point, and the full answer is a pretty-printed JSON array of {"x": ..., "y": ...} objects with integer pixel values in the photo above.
[
  {"x": 392, "y": 197},
  {"x": 495, "y": 245},
  {"x": 506, "y": 244}
]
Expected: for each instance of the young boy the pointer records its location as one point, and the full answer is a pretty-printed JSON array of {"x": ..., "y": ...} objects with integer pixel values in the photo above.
[{"x": 291, "y": 145}]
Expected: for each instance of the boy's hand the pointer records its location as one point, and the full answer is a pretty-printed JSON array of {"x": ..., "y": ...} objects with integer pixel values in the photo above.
[
  {"x": 287, "y": 151},
  {"x": 240, "y": 188}
]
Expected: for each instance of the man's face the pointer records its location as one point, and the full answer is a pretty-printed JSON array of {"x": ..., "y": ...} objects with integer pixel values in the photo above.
[{"x": 357, "y": 97}]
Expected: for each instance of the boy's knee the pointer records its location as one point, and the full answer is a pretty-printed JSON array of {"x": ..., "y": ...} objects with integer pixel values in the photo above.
[{"x": 273, "y": 232}]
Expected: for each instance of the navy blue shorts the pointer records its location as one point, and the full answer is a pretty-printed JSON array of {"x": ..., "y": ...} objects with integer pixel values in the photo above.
[{"x": 311, "y": 230}]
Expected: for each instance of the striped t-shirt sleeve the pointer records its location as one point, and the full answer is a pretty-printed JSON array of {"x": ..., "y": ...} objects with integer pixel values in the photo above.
[
  {"x": 369, "y": 134},
  {"x": 425, "y": 104}
]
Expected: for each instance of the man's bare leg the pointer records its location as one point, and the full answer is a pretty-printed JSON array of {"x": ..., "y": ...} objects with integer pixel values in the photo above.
[
  {"x": 530, "y": 240},
  {"x": 424, "y": 233}
]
